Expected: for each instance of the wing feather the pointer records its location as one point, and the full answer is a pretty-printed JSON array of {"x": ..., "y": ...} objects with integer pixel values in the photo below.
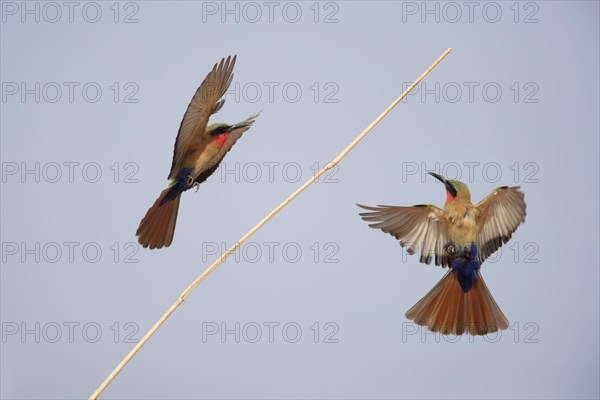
[
  {"x": 498, "y": 216},
  {"x": 417, "y": 227},
  {"x": 204, "y": 103}
]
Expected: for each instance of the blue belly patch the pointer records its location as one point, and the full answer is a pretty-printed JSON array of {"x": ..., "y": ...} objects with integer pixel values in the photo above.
[
  {"x": 178, "y": 185},
  {"x": 466, "y": 267}
]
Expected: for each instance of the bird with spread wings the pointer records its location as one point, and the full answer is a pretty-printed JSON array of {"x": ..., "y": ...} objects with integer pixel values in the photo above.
[
  {"x": 199, "y": 149},
  {"x": 461, "y": 236}
]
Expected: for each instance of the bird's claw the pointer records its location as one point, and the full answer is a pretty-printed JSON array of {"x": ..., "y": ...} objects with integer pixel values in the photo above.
[
  {"x": 449, "y": 247},
  {"x": 469, "y": 252},
  {"x": 190, "y": 182}
]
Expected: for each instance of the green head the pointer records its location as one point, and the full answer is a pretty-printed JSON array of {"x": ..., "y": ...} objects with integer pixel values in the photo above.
[
  {"x": 217, "y": 128},
  {"x": 454, "y": 188}
]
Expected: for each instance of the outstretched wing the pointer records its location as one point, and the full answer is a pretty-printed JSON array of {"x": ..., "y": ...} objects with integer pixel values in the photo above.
[
  {"x": 418, "y": 226},
  {"x": 498, "y": 216},
  {"x": 204, "y": 103}
]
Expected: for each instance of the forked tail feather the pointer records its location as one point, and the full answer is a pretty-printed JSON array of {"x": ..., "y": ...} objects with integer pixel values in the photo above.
[
  {"x": 450, "y": 310},
  {"x": 157, "y": 228}
]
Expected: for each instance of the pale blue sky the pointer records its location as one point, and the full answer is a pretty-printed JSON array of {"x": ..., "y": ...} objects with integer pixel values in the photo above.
[{"x": 91, "y": 110}]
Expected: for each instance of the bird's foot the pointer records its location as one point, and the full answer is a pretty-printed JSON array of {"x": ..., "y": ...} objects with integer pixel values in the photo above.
[
  {"x": 190, "y": 182},
  {"x": 449, "y": 247},
  {"x": 469, "y": 253}
]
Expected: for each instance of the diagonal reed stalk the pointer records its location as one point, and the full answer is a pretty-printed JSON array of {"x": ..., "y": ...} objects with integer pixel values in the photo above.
[{"x": 252, "y": 231}]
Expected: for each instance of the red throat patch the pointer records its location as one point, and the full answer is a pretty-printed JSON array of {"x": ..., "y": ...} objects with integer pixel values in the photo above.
[
  {"x": 449, "y": 198},
  {"x": 220, "y": 140}
]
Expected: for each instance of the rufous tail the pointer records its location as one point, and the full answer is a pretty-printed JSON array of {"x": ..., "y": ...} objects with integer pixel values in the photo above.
[
  {"x": 449, "y": 310},
  {"x": 158, "y": 226}
]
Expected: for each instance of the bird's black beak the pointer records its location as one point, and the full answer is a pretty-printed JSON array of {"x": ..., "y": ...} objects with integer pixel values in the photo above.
[
  {"x": 448, "y": 185},
  {"x": 438, "y": 177}
]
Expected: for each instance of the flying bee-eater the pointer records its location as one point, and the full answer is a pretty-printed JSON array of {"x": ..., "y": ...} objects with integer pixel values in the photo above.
[
  {"x": 461, "y": 236},
  {"x": 198, "y": 152}
]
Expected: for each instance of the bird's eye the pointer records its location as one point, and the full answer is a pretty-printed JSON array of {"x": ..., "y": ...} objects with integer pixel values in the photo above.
[{"x": 219, "y": 130}]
